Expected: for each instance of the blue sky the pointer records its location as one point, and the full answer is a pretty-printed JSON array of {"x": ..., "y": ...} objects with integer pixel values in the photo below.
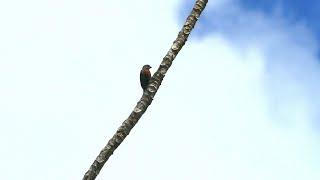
[
  {"x": 285, "y": 35},
  {"x": 294, "y": 11},
  {"x": 241, "y": 100}
]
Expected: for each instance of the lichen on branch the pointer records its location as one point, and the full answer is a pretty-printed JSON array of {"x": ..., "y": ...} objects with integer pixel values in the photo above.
[{"x": 148, "y": 94}]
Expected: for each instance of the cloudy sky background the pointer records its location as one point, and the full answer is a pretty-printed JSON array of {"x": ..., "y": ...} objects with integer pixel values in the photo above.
[{"x": 240, "y": 101}]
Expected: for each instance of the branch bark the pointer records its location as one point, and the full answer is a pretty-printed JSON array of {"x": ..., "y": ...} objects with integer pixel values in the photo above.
[{"x": 148, "y": 95}]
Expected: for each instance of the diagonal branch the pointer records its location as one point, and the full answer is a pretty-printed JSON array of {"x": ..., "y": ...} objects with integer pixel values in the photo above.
[{"x": 148, "y": 95}]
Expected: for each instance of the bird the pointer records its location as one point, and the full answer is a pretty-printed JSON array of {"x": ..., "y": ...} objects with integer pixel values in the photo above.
[{"x": 145, "y": 76}]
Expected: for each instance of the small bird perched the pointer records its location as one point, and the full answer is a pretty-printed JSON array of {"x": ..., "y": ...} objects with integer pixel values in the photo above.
[{"x": 145, "y": 76}]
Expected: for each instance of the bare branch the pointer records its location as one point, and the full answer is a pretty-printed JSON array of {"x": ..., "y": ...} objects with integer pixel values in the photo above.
[{"x": 148, "y": 95}]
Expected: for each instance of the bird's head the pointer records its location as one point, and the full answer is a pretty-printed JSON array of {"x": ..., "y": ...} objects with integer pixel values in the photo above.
[{"x": 146, "y": 67}]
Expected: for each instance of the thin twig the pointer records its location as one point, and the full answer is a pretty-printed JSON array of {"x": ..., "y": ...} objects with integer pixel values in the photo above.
[{"x": 148, "y": 95}]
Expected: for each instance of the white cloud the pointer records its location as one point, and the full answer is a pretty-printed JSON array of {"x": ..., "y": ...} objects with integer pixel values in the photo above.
[{"x": 238, "y": 104}]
